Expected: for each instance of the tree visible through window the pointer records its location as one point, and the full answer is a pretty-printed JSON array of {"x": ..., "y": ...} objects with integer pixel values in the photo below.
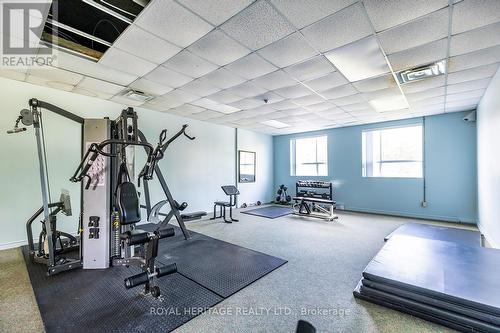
[
  {"x": 309, "y": 156},
  {"x": 393, "y": 152}
]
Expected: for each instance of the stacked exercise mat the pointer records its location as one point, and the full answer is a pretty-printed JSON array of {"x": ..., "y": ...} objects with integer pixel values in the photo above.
[{"x": 438, "y": 274}]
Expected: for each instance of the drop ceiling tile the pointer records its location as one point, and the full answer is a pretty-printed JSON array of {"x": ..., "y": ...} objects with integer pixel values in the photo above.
[
  {"x": 326, "y": 82},
  {"x": 246, "y": 90},
  {"x": 461, "y": 107},
  {"x": 247, "y": 103},
  {"x": 288, "y": 51},
  {"x": 473, "y": 74},
  {"x": 126, "y": 101},
  {"x": 295, "y": 91},
  {"x": 275, "y": 80},
  {"x": 46, "y": 82},
  {"x": 91, "y": 93},
  {"x": 308, "y": 100},
  {"x": 428, "y": 101},
  {"x": 422, "y": 85},
  {"x": 418, "y": 96},
  {"x": 463, "y": 102},
  {"x": 168, "y": 77},
  {"x": 187, "y": 109},
  {"x": 474, "y": 59},
  {"x": 382, "y": 93},
  {"x": 359, "y": 60},
  {"x": 468, "y": 86},
  {"x": 207, "y": 115},
  {"x": 223, "y": 78},
  {"x": 100, "y": 86},
  {"x": 251, "y": 67},
  {"x": 126, "y": 62},
  {"x": 338, "y": 92},
  {"x": 348, "y": 100},
  {"x": 476, "y": 39},
  {"x": 58, "y": 75},
  {"x": 472, "y": 14},
  {"x": 150, "y": 87},
  {"x": 90, "y": 68},
  {"x": 270, "y": 96},
  {"x": 318, "y": 107},
  {"x": 284, "y": 105},
  {"x": 310, "y": 69},
  {"x": 200, "y": 88},
  {"x": 341, "y": 28},
  {"x": 257, "y": 26},
  {"x": 218, "y": 48},
  {"x": 419, "y": 56},
  {"x": 419, "y": 32},
  {"x": 385, "y": 14},
  {"x": 18, "y": 75},
  {"x": 304, "y": 12},
  {"x": 189, "y": 64},
  {"x": 216, "y": 12},
  {"x": 468, "y": 95},
  {"x": 377, "y": 83},
  {"x": 358, "y": 107},
  {"x": 145, "y": 45},
  {"x": 224, "y": 97},
  {"x": 172, "y": 22},
  {"x": 297, "y": 111}
]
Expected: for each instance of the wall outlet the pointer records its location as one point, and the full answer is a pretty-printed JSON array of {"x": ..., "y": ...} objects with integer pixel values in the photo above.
[{"x": 424, "y": 204}]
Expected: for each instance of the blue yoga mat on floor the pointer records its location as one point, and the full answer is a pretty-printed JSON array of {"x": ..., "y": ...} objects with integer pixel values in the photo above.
[{"x": 270, "y": 212}]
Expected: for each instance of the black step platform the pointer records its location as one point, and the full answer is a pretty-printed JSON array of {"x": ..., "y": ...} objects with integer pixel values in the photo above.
[
  {"x": 96, "y": 300},
  {"x": 447, "y": 234},
  {"x": 452, "y": 282}
]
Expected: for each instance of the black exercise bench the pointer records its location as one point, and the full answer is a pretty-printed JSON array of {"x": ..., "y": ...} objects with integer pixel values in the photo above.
[{"x": 232, "y": 192}]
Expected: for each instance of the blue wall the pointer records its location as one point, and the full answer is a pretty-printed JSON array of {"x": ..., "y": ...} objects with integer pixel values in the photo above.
[{"x": 450, "y": 170}]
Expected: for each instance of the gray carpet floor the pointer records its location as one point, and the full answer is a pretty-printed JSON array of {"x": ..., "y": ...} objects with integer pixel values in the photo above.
[{"x": 325, "y": 261}]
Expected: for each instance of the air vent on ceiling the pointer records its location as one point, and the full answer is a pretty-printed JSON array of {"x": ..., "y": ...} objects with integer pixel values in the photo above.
[
  {"x": 89, "y": 27},
  {"x": 422, "y": 72},
  {"x": 137, "y": 95}
]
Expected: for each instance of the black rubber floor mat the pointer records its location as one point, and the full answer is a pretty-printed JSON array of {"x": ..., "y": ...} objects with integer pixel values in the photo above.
[
  {"x": 97, "y": 301},
  {"x": 446, "y": 234},
  {"x": 222, "y": 267},
  {"x": 270, "y": 212}
]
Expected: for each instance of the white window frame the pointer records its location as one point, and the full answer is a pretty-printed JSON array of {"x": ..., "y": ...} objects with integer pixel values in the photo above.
[
  {"x": 367, "y": 168},
  {"x": 293, "y": 159}
]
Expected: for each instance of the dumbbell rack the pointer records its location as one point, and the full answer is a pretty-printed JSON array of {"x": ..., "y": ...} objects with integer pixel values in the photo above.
[
  {"x": 312, "y": 204},
  {"x": 309, "y": 184}
]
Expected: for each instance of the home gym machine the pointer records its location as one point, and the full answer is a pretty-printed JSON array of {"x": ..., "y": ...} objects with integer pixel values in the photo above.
[
  {"x": 110, "y": 207},
  {"x": 52, "y": 243},
  {"x": 314, "y": 199},
  {"x": 111, "y": 202}
]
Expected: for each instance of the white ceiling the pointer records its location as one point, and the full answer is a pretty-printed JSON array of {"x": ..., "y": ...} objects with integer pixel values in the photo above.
[{"x": 219, "y": 60}]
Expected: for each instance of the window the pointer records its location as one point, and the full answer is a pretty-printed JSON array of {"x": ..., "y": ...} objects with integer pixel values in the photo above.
[
  {"x": 309, "y": 156},
  {"x": 393, "y": 152}
]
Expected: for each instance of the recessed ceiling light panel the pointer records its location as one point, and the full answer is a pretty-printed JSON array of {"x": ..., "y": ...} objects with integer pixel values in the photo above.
[
  {"x": 275, "y": 124},
  {"x": 391, "y": 103},
  {"x": 422, "y": 72}
]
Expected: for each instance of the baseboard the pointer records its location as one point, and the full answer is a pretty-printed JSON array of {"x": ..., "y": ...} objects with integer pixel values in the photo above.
[
  {"x": 486, "y": 235},
  {"x": 11, "y": 245},
  {"x": 410, "y": 215}
]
